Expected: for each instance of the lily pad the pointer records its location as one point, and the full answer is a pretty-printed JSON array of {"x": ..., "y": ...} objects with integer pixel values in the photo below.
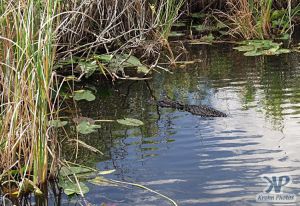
[
  {"x": 261, "y": 47},
  {"x": 130, "y": 122},
  {"x": 121, "y": 61},
  {"x": 84, "y": 95},
  {"x": 88, "y": 67},
  {"x": 67, "y": 171},
  {"x": 86, "y": 127},
  {"x": 101, "y": 181},
  {"x": 72, "y": 188},
  {"x": 58, "y": 123}
]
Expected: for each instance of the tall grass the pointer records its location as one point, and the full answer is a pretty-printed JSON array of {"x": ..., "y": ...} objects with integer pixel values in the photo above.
[
  {"x": 258, "y": 19},
  {"x": 27, "y": 51},
  {"x": 31, "y": 31}
]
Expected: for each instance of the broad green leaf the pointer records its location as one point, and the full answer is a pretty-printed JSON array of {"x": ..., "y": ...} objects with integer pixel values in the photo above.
[
  {"x": 66, "y": 171},
  {"x": 64, "y": 62},
  {"x": 104, "y": 58},
  {"x": 58, "y": 123},
  {"x": 101, "y": 181},
  {"x": 143, "y": 69},
  {"x": 244, "y": 48},
  {"x": 130, "y": 122},
  {"x": 88, "y": 67},
  {"x": 86, "y": 127},
  {"x": 254, "y": 53},
  {"x": 84, "y": 95},
  {"x": 72, "y": 188},
  {"x": 107, "y": 172}
]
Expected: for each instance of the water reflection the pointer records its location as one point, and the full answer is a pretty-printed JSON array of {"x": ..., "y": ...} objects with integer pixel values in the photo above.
[{"x": 194, "y": 160}]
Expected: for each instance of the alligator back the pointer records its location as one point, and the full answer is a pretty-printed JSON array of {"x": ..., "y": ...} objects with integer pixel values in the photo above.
[
  {"x": 204, "y": 111},
  {"x": 201, "y": 110}
]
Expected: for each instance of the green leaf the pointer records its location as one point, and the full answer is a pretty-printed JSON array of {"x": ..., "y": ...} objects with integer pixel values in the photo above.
[
  {"x": 86, "y": 127},
  {"x": 84, "y": 95},
  {"x": 130, "y": 122},
  {"x": 88, "y": 67},
  {"x": 254, "y": 53},
  {"x": 104, "y": 58},
  {"x": 58, "y": 123},
  {"x": 143, "y": 69},
  {"x": 66, "y": 171},
  {"x": 244, "y": 48},
  {"x": 132, "y": 61},
  {"x": 71, "y": 188},
  {"x": 101, "y": 181}
]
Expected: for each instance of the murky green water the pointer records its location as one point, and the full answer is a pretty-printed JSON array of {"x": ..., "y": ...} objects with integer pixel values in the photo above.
[{"x": 194, "y": 160}]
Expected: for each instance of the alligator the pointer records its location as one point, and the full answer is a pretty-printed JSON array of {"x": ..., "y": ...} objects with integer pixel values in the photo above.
[{"x": 200, "y": 110}]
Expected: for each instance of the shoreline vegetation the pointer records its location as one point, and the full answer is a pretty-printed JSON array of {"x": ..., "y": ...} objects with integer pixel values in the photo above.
[{"x": 45, "y": 44}]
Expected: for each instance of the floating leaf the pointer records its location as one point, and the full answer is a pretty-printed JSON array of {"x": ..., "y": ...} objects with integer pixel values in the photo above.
[
  {"x": 130, "y": 122},
  {"x": 261, "y": 47},
  {"x": 107, "y": 172},
  {"x": 84, "y": 95},
  {"x": 65, "y": 62},
  {"x": 104, "y": 58},
  {"x": 254, "y": 53},
  {"x": 77, "y": 120},
  {"x": 86, "y": 127},
  {"x": 244, "y": 48},
  {"x": 88, "y": 67},
  {"x": 58, "y": 123},
  {"x": 66, "y": 171},
  {"x": 101, "y": 181},
  {"x": 72, "y": 188}
]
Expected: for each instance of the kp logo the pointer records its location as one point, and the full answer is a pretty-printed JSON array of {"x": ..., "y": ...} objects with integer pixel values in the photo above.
[{"x": 274, "y": 189}]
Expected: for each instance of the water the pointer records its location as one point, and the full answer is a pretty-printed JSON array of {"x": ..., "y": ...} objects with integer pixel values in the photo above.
[{"x": 195, "y": 160}]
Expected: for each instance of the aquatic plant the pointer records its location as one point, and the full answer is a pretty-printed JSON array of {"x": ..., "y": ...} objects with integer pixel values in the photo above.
[
  {"x": 33, "y": 34},
  {"x": 27, "y": 41},
  {"x": 253, "y": 19}
]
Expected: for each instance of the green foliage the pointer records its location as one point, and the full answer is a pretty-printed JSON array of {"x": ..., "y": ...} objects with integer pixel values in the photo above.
[
  {"x": 167, "y": 13},
  {"x": 67, "y": 171},
  {"x": 71, "y": 188},
  {"x": 58, "y": 123},
  {"x": 130, "y": 122},
  {"x": 84, "y": 95},
  {"x": 261, "y": 47},
  {"x": 86, "y": 127}
]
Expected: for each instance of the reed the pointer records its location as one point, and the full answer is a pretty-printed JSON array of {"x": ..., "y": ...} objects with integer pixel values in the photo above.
[
  {"x": 34, "y": 33},
  {"x": 255, "y": 19},
  {"x": 27, "y": 51}
]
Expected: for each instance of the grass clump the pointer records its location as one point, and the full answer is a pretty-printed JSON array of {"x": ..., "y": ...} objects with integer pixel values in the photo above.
[
  {"x": 27, "y": 51},
  {"x": 34, "y": 34},
  {"x": 253, "y": 19}
]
